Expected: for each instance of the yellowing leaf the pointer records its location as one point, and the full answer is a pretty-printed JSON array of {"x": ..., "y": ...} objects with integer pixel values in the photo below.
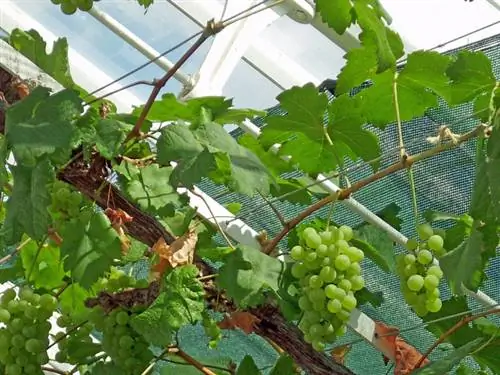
[{"x": 239, "y": 319}]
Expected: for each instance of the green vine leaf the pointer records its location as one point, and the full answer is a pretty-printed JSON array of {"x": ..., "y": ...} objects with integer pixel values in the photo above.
[
  {"x": 180, "y": 303},
  {"x": 56, "y": 63},
  {"x": 169, "y": 108},
  {"x": 471, "y": 75},
  {"x": 337, "y": 14},
  {"x": 42, "y": 124},
  {"x": 248, "y": 367},
  {"x": 71, "y": 302},
  {"x": 247, "y": 272},
  {"x": 442, "y": 366},
  {"x": 366, "y": 296},
  {"x": 372, "y": 25},
  {"x": 27, "y": 206},
  {"x": 424, "y": 70},
  {"x": 376, "y": 245},
  {"x": 361, "y": 65},
  {"x": 109, "y": 137},
  {"x": 346, "y": 132},
  {"x": 147, "y": 187},
  {"x": 209, "y": 151},
  {"x": 90, "y": 245},
  {"x": 43, "y": 266},
  {"x": 283, "y": 366}
]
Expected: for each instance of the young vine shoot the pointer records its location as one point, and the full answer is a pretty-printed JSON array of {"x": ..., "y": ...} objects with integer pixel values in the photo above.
[{"x": 117, "y": 270}]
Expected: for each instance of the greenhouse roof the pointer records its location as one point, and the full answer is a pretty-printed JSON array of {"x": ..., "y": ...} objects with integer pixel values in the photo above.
[{"x": 116, "y": 37}]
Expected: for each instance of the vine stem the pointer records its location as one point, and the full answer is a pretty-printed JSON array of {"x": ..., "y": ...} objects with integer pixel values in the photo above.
[
  {"x": 452, "y": 330},
  {"x": 342, "y": 194},
  {"x": 16, "y": 250},
  {"x": 402, "y": 151},
  {"x": 182, "y": 354},
  {"x": 212, "y": 28}
]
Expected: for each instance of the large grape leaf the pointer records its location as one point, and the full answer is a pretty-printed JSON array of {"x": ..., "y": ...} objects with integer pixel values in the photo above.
[
  {"x": 425, "y": 70},
  {"x": 273, "y": 162},
  {"x": 283, "y": 366},
  {"x": 56, "y": 63},
  {"x": 27, "y": 206},
  {"x": 444, "y": 365},
  {"x": 449, "y": 315},
  {"x": 246, "y": 272},
  {"x": 72, "y": 301},
  {"x": 169, "y": 108},
  {"x": 180, "y": 303},
  {"x": 147, "y": 186},
  {"x": 370, "y": 22},
  {"x": 43, "y": 266},
  {"x": 376, "y": 245},
  {"x": 42, "y": 124},
  {"x": 337, "y": 14},
  {"x": 471, "y": 75},
  {"x": 209, "y": 151},
  {"x": 346, "y": 132},
  {"x": 361, "y": 65},
  {"x": 110, "y": 135},
  {"x": 248, "y": 367},
  {"x": 90, "y": 245}
]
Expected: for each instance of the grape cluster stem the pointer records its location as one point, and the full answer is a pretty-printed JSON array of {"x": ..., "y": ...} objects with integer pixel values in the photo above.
[{"x": 342, "y": 194}]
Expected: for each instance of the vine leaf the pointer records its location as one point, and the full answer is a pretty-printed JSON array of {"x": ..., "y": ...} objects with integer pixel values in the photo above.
[
  {"x": 147, "y": 187},
  {"x": 471, "y": 75},
  {"x": 248, "y": 367},
  {"x": 345, "y": 129},
  {"x": 178, "y": 253},
  {"x": 4, "y": 153},
  {"x": 453, "y": 307},
  {"x": 42, "y": 124},
  {"x": 424, "y": 70},
  {"x": 444, "y": 365},
  {"x": 209, "y": 151},
  {"x": 376, "y": 245},
  {"x": 169, "y": 108},
  {"x": 180, "y": 303},
  {"x": 27, "y": 206},
  {"x": 56, "y": 63},
  {"x": 361, "y": 64},
  {"x": 371, "y": 24},
  {"x": 336, "y": 14},
  {"x": 109, "y": 136},
  {"x": 283, "y": 366},
  {"x": 90, "y": 245},
  {"x": 44, "y": 266},
  {"x": 72, "y": 301},
  {"x": 366, "y": 296},
  {"x": 246, "y": 272}
]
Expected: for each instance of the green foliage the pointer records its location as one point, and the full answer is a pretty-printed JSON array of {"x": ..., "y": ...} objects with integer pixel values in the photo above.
[
  {"x": 90, "y": 245},
  {"x": 248, "y": 367},
  {"x": 247, "y": 272},
  {"x": 376, "y": 245},
  {"x": 42, "y": 266},
  {"x": 180, "y": 303}
]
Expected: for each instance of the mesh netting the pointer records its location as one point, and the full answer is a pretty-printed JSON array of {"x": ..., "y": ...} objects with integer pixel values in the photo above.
[{"x": 443, "y": 183}]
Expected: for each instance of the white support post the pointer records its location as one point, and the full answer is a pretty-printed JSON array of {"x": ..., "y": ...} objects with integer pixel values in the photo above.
[
  {"x": 84, "y": 72},
  {"x": 369, "y": 216}
]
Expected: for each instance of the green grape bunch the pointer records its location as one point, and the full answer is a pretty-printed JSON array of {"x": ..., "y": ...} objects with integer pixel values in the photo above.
[
  {"x": 25, "y": 338},
  {"x": 329, "y": 274},
  {"x": 71, "y": 6},
  {"x": 420, "y": 276},
  {"x": 66, "y": 203}
]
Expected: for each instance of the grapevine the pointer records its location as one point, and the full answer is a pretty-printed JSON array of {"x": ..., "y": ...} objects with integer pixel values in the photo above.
[
  {"x": 329, "y": 274},
  {"x": 71, "y": 6},
  {"x": 420, "y": 277}
]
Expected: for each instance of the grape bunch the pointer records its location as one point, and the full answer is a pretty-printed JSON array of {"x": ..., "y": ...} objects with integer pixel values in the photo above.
[
  {"x": 420, "y": 278},
  {"x": 71, "y": 6},
  {"x": 127, "y": 350},
  {"x": 329, "y": 275},
  {"x": 65, "y": 202},
  {"x": 24, "y": 339}
]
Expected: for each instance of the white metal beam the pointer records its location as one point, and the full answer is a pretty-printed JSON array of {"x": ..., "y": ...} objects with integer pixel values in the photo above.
[
  {"x": 84, "y": 72},
  {"x": 261, "y": 54},
  {"x": 136, "y": 42}
]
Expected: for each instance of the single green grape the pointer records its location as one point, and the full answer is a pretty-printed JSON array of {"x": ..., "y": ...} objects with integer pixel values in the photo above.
[
  {"x": 425, "y": 231},
  {"x": 436, "y": 271},
  {"x": 415, "y": 283},
  {"x": 424, "y": 257},
  {"x": 342, "y": 262},
  {"x": 297, "y": 253},
  {"x": 347, "y": 232},
  {"x": 435, "y": 242},
  {"x": 431, "y": 282}
]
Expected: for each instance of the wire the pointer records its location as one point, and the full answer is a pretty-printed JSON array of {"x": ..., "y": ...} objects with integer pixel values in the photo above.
[{"x": 224, "y": 10}]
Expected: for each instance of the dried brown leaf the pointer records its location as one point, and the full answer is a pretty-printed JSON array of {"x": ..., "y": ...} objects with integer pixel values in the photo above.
[
  {"x": 339, "y": 353},
  {"x": 239, "y": 319}
]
